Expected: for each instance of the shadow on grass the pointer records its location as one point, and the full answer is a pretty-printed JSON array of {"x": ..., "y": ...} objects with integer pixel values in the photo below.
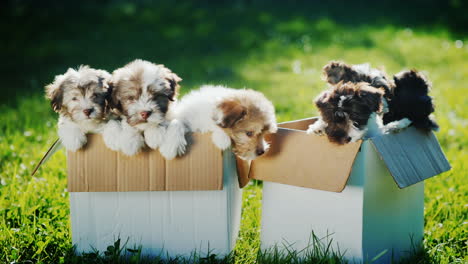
[{"x": 203, "y": 41}]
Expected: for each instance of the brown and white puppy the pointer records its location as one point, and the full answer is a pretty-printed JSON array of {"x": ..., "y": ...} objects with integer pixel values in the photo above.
[
  {"x": 237, "y": 118},
  {"x": 142, "y": 96},
  {"x": 80, "y": 98},
  {"x": 345, "y": 110}
]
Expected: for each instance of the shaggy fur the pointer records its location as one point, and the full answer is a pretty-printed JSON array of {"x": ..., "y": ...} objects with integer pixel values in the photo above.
[
  {"x": 142, "y": 96},
  {"x": 345, "y": 110},
  {"x": 240, "y": 118},
  {"x": 410, "y": 100},
  {"x": 80, "y": 97},
  {"x": 406, "y": 97},
  {"x": 336, "y": 72}
]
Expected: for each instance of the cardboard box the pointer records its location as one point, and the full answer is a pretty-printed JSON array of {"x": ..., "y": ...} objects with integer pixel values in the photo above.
[
  {"x": 348, "y": 194},
  {"x": 170, "y": 208}
]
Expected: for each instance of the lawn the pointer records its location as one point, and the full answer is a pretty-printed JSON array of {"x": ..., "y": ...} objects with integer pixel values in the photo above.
[{"x": 276, "y": 48}]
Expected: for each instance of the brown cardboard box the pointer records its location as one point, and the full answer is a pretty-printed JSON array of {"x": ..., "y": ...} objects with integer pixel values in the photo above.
[
  {"x": 311, "y": 161},
  {"x": 96, "y": 168},
  {"x": 303, "y": 160}
]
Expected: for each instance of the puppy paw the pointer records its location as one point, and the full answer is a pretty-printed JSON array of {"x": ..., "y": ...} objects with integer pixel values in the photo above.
[
  {"x": 396, "y": 126},
  {"x": 111, "y": 132},
  {"x": 73, "y": 139},
  {"x": 154, "y": 136},
  {"x": 316, "y": 128},
  {"x": 131, "y": 142},
  {"x": 174, "y": 141},
  {"x": 221, "y": 140}
]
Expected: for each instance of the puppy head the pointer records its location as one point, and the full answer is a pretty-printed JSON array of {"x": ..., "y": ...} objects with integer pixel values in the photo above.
[
  {"x": 346, "y": 108},
  {"x": 143, "y": 92},
  {"x": 80, "y": 94},
  {"x": 246, "y": 117},
  {"x": 335, "y": 72}
]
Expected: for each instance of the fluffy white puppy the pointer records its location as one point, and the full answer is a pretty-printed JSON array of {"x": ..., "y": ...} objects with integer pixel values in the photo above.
[
  {"x": 80, "y": 98},
  {"x": 240, "y": 118},
  {"x": 142, "y": 95}
]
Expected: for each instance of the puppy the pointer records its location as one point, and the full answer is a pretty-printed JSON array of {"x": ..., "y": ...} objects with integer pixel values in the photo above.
[
  {"x": 80, "y": 98},
  {"x": 142, "y": 96},
  {"x": 410, "y": 100},
  {"x": 406, "y": 98},
  {"x": 237, "y": 118},
  {"x": 345, "y": 110}
]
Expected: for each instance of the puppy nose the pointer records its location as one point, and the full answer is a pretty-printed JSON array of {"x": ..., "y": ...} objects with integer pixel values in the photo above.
[
  {"x": 145, "y": 114},
  {"x": 260, "y": 152},
  {"x": 88, "y": 111}
]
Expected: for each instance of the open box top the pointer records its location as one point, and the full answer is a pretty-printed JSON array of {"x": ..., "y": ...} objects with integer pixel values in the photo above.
[{"x": 311, "y": 161}]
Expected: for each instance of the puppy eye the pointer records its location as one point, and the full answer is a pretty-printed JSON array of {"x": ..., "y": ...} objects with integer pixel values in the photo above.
[
  {"x": 74, "y": 99},
  {"x": 131, "y": 98},
  {"x": 249, "y": 133}
]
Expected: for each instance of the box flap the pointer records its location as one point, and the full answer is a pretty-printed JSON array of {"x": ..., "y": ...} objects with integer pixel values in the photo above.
[
  {"x": 96, "y": 168},
  {"x": 243, "y": 169},
  {"x": 411, "y": 156},
  {"x": 56, "y": 146},
  {"x": 303, "y": 160}
]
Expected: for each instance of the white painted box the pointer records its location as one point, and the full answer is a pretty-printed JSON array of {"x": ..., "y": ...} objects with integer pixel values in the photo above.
[
  {"x": 378, "y": 210},
  {"x": 170, "y": 208}
]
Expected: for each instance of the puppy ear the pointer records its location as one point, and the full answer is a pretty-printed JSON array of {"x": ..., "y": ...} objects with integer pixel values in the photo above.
[
  {"x": 173, "y": 80},
  {"x": 54, "y": 92},
  {"x": 371, "y": 97},
  {"x": 229, "y": 113},
  {"x": 112, "y": 98},
  {"x": 322, "y": 100}
]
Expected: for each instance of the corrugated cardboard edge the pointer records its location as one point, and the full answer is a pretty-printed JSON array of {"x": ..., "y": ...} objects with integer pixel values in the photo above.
[
  {"x": 95, "y": 168},
  {"x": 81, "y": 184},
  {"x": 294, "y": 160},
  {"x": 411, "y": 156}
]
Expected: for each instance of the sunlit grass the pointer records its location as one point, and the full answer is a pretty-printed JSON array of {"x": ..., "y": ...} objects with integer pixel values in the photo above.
[{"x": 269, "y": 50}]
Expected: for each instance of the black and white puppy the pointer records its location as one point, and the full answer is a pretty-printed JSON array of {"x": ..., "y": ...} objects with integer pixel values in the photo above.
[
  {"x": 345, "y": 110},
  {"x": 403, "y": 102},
  {"x": 406, "y": 97}
]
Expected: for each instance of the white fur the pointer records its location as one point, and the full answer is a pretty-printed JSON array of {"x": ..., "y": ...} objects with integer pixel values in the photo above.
[
  {"x": 154, "y": 135},
  {"x": 199, "y": 113},
  {"x": 318, "y": 127},
  {"x": 71, "y": 135},
  {"x": 396, "y": 126},
  {"x": 175, "y": 142},
  {"x": 355, "y": 133},
  {"x": 111, "y": 134},
  {"x": 131, "y": 140}
]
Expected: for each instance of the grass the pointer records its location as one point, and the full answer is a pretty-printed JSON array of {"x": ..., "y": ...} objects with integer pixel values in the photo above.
[{"x": 276, "y": 48}]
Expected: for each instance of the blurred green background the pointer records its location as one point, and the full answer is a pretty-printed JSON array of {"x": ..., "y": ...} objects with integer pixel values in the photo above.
[{"x": 275, "y": 47}]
